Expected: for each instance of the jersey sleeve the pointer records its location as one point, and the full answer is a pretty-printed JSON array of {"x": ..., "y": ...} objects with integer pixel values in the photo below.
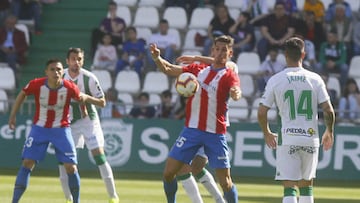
[
  {"x": 268, "y": 97},
  {"x": 74, "y": 90},
  {"x": 323, "y": 94},
  {"x": 95, "y": 88},
  {"x": 30, "y": 88}
]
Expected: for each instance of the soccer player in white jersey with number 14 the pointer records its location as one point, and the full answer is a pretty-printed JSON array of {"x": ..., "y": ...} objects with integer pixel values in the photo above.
[
  {"x": 85, "y": 124},
  {"x": 297, "y": 93}
]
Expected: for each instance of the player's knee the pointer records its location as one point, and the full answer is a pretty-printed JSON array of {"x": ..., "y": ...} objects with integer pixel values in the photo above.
[
  {"x": 70, "y": 168},
  {"x": 100, "y": 159},
  {"x": 168, "y": 176},
  {"x": 28, "y": 163}
]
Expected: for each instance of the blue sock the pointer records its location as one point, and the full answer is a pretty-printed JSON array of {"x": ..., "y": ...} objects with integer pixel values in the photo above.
[
  {"x": 74, "y": 185},
  {"x": 22, "y": 180},
  {"x": 170, "y": 191},
  {"x": 232, "y": 195}
]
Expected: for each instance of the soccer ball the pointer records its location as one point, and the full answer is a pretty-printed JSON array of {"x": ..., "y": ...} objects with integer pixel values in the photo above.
[{"x": 186, "y": 84}]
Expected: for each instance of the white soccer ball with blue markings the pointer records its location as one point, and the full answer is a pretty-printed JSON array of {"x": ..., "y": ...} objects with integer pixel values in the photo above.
[{"x": 186, "y": 84}]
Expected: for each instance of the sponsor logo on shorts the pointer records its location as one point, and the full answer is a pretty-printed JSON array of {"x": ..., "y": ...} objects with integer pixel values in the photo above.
[{"x": 293, "y": 149}]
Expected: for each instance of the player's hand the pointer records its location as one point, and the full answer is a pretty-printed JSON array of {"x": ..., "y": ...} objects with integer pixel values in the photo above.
[
  {"x": 327, "y": 140},
  {"x": 155, "y": 52},
  {"x": 12, "y": 122},
  {"x": 186, "y": 59},
  {"x": 271, "y": 140},
  {"x": 235, "y": 93},
  {"x": 83, "y": 97}
]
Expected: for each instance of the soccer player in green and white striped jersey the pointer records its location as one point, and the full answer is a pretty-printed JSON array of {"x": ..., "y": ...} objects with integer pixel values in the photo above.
[
  {"x": 297, "y": 93},
  {"x": 85, "y": 124}
]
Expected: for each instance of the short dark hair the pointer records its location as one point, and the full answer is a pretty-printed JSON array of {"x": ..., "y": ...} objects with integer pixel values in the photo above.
[
  {"x": 246, "y": 15},
  {"x": 74, "y": 50},
  {"x": 166, "y": 93},
  {"x": 294, "y": 48},
  {"x": 164, "y": 21},
  {"x": 52, "y": 60},
  {"x": 131, "y": 28},
  {"x": 226, "y": 39}
]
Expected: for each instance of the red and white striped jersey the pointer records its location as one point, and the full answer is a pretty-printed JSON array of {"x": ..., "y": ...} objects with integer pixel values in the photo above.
[
  {"x": 207, "y": 109},
  {"x": 52, "y": 105}
]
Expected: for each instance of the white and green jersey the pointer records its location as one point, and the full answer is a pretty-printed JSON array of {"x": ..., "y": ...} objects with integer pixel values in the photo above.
[
  {"x": 297, "y": 93},
  {"x": 89, "y": 84}
]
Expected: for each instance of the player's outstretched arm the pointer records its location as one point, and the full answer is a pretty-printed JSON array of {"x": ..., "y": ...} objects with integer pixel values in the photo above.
[
  {"x": 186, "y": 59},
  {"x": 19, "y": 100},
  {"x": 101, "y": 102},
  {"x": 329, "y": 119},
  {"x": 162, "y": 64}
]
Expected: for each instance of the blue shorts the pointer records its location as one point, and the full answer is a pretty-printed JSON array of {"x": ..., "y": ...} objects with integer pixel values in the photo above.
[
  {"x": 191, "y": 139},
  {"x": 38, "y": 141}
]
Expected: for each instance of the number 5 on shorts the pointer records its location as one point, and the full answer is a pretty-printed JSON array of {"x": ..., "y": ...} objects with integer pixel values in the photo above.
[{"x": 180, "y": 141}]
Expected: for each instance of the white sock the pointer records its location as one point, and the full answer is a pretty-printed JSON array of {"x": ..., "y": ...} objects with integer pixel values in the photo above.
[
  {"x": 65, "y": 183},
  {"x": 192, "y": 189},
  {"x": 108, "y": 177},
  {"x": 289, "y": 199},
  {"x": 306, "y": 199},
  {"x": 208, "y": 181}
]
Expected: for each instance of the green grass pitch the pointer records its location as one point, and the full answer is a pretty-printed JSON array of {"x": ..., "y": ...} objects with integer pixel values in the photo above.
[{"x": 44, "y": 187}]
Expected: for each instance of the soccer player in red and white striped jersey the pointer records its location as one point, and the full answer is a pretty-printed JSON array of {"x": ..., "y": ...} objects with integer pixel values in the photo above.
[
  {"x": 205, "y": 123},
  {"x": 51, "y": 124}
]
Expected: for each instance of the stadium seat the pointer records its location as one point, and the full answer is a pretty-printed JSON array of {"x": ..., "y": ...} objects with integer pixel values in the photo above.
[
  {"x": 233, "y": 4},
  {"x": 3, "y": 101},
  {"x": 154, "y": 3},
  {"x": 154, "y": 99},
  {"x": 189, "y": 42},
  {"x": 131, "y": 3},
  {"x": 128, "y": 101},
  {"x": 354, "y": 70},
  {"x": 272, "y": 113},
  {"x": 247, "y": 85},
  {"x": 104, "y": 77},
  {"x": 200, "y": 18},
  {"x": 7, "y": 79},
  {"x": 146, "y": 17},
  {"x": 124, "y": 13},
  {"x": 238, "y": 110},
  {"x": 144, "y": 33},
  {"x": 333, "y": 83},
  {"x": 155, "y": 82},
  {"x": 127, "y": 81},
  {"x": 25, "y": 29},
  {"x": 234, "y": 13},
  {"x": 176, "y": 16},
  {"x": 248, "y": 63},
  {"x": 354, "y": 4}
]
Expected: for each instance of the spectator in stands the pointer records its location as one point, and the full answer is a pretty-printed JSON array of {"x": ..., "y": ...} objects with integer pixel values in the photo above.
[
  {"x": 113, "y": 108},
  {"x": 4, "y": 11},
  {"x": 105, "y": 55},
  {"x": 28, "y": 9},
  {"x": 290, "y": 6},
  {"x": 331, "y": 10},
  {"x": 349, "y": 102},
  {"x": 268, "y": 68},
  {"x": 276, "y": 28},
  {"x": 142, "y": 108},
  {"x": 317, "y": 8},
  {"x": 133, "y": 53},
  {"x": 356, "y": 36},
  {"x": 113, "y": 25},
  {"x": 243, "y": 34},
  {"x": 332, "y": 57},
  {"x": 312, "y": 30},
  {"x": 13, "y": 43},
  {"x": 166, "y": 108},
  {"x": 219, "y": 25},
  {"x": 342, "y": 25},
  {"x": 180, "y": 107},
  {"x": 165, "y": 41},
  {"x": 257, "y": 9}
]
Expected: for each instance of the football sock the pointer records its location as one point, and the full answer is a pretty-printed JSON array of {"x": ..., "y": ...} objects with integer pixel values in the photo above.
[
  {"x": 231, "y": 196},
  {"x": 170, "y": 190},
  {"x": 64, "y": 180},
  {"x": 21, "y": 182},
  {"x": 209, "y": 183},
  {"x": 289, "y": 195},
  {"x": 74, "y": 185},
  {"x": 306, "y": 195},
  {"x": 108, "y": 178},
  {"x": 191, "y": 188}
]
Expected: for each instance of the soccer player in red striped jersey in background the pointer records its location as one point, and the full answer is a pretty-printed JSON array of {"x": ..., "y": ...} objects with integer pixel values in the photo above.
[{"x": 51, "y": 124}]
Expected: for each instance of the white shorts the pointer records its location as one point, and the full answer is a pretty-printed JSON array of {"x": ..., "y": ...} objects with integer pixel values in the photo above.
[
  {"x": 89, "y": 132},
  {"x": 296, "y": 162}
]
